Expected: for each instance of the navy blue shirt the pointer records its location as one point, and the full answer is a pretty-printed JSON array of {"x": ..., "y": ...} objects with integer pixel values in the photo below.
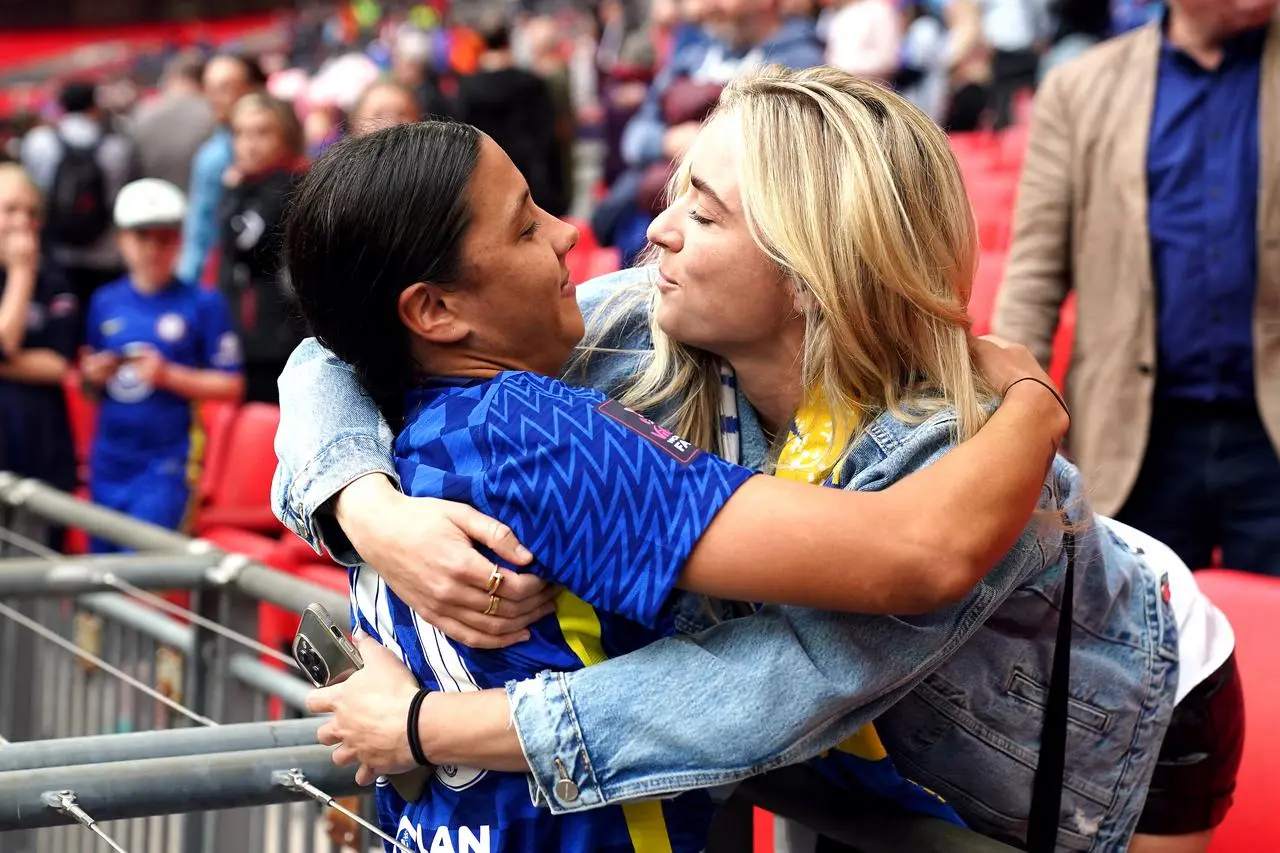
[
  {"x": 35, "y": 436},
  {"x": 1202, "y": 174}
]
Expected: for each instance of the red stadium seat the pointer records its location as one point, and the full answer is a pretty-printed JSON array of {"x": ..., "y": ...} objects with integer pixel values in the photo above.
[
  {"x": 83, "y": 414},
  {"x": 975, "y": 152},
  {"x": 982, "y": 301},
  {"x": 297, "y": 552},
  {"x": 992, "y": 196},
  {"x": 604, "y": 261},
  {"x": 1252, "y": 603},
  {"x": 995, "y": 233},
  {"x": 328, "y": 576},
  {"x": 1013, "y": 146},
  {"x": 216, "y": 418},
  {"x": 241, "y": 495},
  {"x": 586, "y": 237}
]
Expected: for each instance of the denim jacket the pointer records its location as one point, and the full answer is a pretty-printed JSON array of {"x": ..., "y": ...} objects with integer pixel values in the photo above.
[{"x": 957, "y": 695}]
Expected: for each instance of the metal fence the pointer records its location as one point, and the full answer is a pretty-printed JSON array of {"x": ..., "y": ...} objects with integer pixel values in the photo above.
[{"x": 132, "y": 721}]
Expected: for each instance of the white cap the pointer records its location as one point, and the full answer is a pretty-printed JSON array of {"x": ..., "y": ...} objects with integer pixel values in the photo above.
[{"x": 149, "y": 203}]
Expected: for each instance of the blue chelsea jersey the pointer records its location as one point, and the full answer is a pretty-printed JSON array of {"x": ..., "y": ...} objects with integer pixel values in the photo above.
[
  {"x": 611, "y": 505},
  {"x": 189, "y": 327}
]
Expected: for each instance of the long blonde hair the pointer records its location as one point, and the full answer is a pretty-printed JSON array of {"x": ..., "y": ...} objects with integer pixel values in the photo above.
[{"x": 855, "y": 195}]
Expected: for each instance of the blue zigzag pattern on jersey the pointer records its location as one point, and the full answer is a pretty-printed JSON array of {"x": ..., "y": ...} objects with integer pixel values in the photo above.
[{"x": 585, "y": 515}]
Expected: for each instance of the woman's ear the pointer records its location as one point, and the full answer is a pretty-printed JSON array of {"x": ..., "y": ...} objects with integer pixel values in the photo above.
[
  {"x": 801, "y": 296},
  {"x": 427, "y": 311}
]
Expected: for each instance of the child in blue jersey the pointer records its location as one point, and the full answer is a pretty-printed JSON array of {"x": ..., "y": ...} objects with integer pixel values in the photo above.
[
  {"x": 156, "y": 347},
  {"x": 419, "y": 258}
]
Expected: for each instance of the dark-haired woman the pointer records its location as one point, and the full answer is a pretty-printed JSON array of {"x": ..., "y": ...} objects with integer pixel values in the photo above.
[{"x": 419, "y": 258}]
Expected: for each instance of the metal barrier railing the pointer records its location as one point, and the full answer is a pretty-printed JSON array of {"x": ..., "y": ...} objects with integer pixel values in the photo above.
[{"x": 129, "y": 722}]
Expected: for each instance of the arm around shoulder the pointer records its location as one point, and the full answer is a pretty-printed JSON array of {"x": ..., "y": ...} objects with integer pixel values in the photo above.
[
  {"x": 330, "y": 435},
  {"x": 921, "y": 544}
]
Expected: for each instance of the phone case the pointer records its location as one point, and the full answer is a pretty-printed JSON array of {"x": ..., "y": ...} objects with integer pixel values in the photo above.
[{"x": 322, "y": 649}]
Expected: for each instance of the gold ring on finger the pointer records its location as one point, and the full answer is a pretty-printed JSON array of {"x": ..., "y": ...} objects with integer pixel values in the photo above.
[
  {"x": 495, "y": 581},
  {"x": 494, "y": 603}
]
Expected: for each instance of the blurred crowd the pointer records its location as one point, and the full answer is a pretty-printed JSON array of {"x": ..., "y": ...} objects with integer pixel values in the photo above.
[{"x": 593, "y": 103}]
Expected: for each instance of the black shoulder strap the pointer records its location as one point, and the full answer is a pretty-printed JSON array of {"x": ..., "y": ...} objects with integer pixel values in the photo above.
[{"x": 1046, "y": 792}]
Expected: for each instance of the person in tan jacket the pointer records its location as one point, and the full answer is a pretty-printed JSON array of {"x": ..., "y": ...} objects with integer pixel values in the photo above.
[{"x": 1152, "y": 189}]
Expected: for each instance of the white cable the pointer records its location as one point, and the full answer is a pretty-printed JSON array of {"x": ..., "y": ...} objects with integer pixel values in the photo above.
[
  {"x": 169, "y": 607},
  {"x": 31, "y": 545},
  {"x": 65, "y": 802},
  {"x": 296, "y": 780},
  {"x": 58, "y": 640},
  {"x": 208, "y": 624}
]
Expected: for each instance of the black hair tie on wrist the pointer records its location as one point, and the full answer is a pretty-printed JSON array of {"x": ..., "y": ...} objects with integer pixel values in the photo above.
[
  {"x": 415, "y": 743},
  {"x": 1047, "y": 386}
]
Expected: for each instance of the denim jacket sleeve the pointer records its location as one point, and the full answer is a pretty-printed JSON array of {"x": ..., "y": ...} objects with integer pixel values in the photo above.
[
  {"x": 330, "y": 434},
  {"x": 751, "y": 694}
]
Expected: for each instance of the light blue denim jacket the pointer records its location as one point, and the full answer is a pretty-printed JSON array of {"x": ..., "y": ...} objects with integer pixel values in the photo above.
[{"x": 957, "y": 695}]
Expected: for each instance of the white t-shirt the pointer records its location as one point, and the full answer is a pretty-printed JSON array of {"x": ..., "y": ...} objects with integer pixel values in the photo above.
[{"x": 1205, "y": 638}]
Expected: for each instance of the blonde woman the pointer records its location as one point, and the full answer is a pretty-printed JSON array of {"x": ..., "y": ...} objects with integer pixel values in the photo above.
[
  {"x": 39, "y": 328},
  {"x": 808, "y": 317},
  {"x": 267, "y": 146}
]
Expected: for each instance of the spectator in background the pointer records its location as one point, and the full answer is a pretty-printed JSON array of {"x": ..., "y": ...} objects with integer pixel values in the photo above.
[
  {"x": 515, "y": 109},
  {"x": 1079, "y": 25},
  {"x": 267, "y": 144},
  {"x": 227, "y": 78},
  {"x": 922, "y": 71},
  {"x": 864, "y": 37},
  {"x": 746, "y": 34},
  {"x": 1014, "y": 30},
  {"x": 743, "y": 35},
  {"x": 1150, "y": 188},
  {"x": 968, "y": 64},
  {"x": 625, "y": 63},
  {"x": 39, "y": 329},
  {"x": 384, "y": 104},
  {"x": 170, "y": 130},
  {"x": 156, "y": 345},
  {"x": 411, "y": 68},
  {"x": 1128, "y": 15},
  {"x": 547, "y": 61},
  {"x": 79, "y": 167}
]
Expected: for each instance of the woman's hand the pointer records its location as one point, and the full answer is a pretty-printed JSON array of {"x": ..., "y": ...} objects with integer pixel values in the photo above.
[
  {"x": 20, "y": 250},
  {"x": 423, "y": 548},
  {"x": 1004, "y": 364},
  {"x": 370, "y": 711}
]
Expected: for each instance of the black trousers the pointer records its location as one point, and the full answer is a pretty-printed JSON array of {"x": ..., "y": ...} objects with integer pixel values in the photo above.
[{"x": 1210, "y": 479}]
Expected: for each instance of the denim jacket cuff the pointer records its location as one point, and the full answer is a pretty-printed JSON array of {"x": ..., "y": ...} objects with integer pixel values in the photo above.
[
  {"x": 329, "y": 472},
  {"x": 562, "y": 778}
]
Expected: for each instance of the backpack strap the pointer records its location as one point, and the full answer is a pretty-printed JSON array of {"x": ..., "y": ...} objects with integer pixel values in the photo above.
[{"x": 1046, "y": 791}]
